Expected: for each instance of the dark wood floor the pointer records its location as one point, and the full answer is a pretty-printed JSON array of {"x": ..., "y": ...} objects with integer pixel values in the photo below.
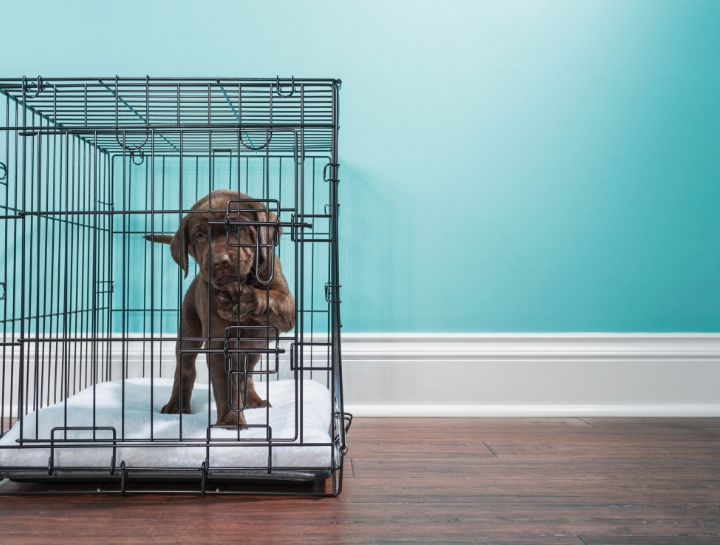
[{"x": 538, "y": 481}]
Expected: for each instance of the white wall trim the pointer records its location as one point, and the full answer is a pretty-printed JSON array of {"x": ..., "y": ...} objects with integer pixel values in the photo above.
[
  {"x": 531, "y": 345},
  {"x": 532, "y": 375}
]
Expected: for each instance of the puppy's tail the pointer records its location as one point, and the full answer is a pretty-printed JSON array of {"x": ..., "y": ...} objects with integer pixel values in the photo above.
[{"x": 154, "y": 237}]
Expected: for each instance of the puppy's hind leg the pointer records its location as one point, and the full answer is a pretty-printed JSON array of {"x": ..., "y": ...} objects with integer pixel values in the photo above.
[
  {"x": 185, "y": 371},
  {"x": 185, "y": 374}
]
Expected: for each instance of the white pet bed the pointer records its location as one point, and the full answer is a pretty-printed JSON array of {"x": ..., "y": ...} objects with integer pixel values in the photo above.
[{"x": 316, "y": 415}]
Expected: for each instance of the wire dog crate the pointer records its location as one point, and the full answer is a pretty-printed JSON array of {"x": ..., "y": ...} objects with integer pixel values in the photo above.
[{"x": 94, "y": 313}]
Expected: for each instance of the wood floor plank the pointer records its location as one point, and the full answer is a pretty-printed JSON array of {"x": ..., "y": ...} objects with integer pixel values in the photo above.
[
  {"x": 597, "y": 435},
  {"x": 626, "y": 422},
  {"x": 553, "y": 448},
  {"x": 649, "y": 540},
  {"x": 290, "y": 521},
  {"x": 420, "y": 449},
  {"x": 618, "y": 468},
  {"x": 628, "y": 449},
  {"x": 488, "y": 487},
  {"x": 442, "y": 423}
]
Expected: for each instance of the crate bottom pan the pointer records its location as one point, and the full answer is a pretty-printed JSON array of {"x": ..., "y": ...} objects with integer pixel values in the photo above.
[{"x": 132, "y": 476}]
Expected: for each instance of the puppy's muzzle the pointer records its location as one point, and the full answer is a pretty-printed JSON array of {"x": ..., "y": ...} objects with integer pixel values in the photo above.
[{"x": 223, "y": 270}]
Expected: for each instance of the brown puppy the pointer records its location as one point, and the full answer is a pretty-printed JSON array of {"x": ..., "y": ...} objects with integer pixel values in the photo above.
[{"x": 226, "y": 292}]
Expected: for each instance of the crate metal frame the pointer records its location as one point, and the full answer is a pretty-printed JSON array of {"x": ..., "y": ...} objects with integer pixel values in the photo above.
[{"x": 76, "y": 142}]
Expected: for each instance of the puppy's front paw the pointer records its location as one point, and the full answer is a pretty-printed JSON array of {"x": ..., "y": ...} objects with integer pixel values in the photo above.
[
  {"x": 232, "y": 420},
  {"x": 259, "y": 404},
  {"x": 227, "y": 301},
  {"x": 173, "y": 407},
  {"x": 236, "y": 301}
]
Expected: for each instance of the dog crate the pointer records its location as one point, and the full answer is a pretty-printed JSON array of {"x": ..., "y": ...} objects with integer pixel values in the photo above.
[{"x": 91, "y": 311}]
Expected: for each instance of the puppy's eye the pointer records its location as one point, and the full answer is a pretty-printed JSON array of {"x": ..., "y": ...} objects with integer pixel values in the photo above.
[{"x": 200, "y": 236}]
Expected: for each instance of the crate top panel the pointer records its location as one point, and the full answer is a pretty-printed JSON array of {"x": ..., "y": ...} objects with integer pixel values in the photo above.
[{"x": 199, "y": 116}]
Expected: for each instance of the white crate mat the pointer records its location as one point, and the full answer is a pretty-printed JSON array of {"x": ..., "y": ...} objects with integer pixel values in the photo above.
[{"x": 107, "y": 396}]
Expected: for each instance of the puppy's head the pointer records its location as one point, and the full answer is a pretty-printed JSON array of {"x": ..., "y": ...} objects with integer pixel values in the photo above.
[{"x": 221, "y": 263}]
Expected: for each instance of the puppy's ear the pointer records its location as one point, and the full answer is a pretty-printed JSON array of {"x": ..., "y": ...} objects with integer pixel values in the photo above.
[{"x": 179, "y": 248}]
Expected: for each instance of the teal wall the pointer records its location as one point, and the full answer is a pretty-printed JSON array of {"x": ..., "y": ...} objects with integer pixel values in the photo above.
[{"x": 506, "y": 166}]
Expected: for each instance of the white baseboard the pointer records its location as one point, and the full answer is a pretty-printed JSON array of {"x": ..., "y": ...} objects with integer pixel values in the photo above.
[{"x": 532, "y": 375}]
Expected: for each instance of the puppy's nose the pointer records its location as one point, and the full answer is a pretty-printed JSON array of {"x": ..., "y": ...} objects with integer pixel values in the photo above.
[{"x": 221, "y": 264}]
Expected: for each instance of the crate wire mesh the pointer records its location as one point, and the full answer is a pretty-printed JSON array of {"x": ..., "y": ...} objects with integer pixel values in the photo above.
[{"x": 88, "y": 167}]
